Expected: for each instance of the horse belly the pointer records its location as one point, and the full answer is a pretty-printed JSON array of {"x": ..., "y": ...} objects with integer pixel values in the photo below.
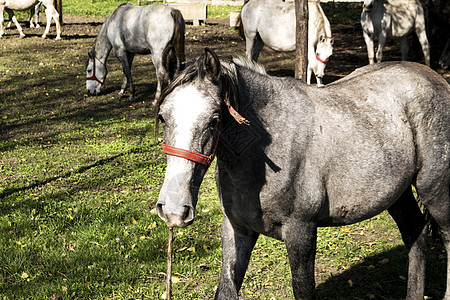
[
  {"x": 20, "y": 4},
  {"x": 370, "y": 163}
]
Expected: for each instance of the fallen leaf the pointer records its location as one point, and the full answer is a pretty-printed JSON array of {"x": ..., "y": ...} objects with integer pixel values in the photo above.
[
  {"x": 133, "y": 220},
  {"x": 64, "y": 289},
  {"x": 350, "y": 282},
  {"x": 24, "y": 275}
]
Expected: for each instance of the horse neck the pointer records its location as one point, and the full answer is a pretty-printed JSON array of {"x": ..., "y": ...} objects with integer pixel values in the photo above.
[
  {"x": 102, "y": 47},
  {"x": 321, "y": 20}
]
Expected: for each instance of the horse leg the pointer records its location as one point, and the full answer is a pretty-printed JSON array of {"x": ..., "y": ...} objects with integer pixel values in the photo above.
[
  {"x": 404, "y": 47},
  {"x": 422, "y": 35},
  {"x": 300, "y": 241},
  {"x": 436, "y": 199},
  {"x": 370, "y": 47},
  {"x": 50, "y": 12},
  {"x": 2, "y": 29},
  {"x": 381, "y": 44},
  {"x": 124, "y": 58},
  {"x": 157, "y": 62},
  {"x": 413, "y": 227},
  {"x": 35, "y": 14},
  {"x": 123, "y": 88},
  {"x": 237, "y": 248}
]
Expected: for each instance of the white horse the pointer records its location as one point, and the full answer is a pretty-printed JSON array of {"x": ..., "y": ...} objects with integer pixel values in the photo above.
[
  {"x": 393, "y": 19},
  {"x": 272, "y": 23},
  {"x": 11, "y": 5}
]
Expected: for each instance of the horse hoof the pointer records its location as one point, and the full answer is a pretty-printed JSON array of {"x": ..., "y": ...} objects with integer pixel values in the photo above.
[
  {"x": 57, "y": 38},
  {"x": 22, "y": 36}
]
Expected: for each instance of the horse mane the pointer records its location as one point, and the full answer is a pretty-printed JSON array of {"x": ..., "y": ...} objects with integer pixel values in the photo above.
[
  {"x": 194, "y": 70},
  {"x": 190, "y": 71}
]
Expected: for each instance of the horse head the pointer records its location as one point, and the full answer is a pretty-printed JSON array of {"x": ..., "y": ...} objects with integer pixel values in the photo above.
[
  {"x": 368, "y": 5},
  {"x": 95, "y": 74},
  {"x": 190, "y": 113},
  {"x": 324, "y": 50}
]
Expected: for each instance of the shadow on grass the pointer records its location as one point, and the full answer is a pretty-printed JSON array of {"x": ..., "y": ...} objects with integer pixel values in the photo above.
[
  {"x": 384, "y": 276},
  {"x": 9, "y": 191}
]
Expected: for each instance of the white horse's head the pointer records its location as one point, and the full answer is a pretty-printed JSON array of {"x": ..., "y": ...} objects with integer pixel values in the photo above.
[
  {"x": 368, "y": 5},
  {"x": 95, "y": 74},
  {"x": 324, "y": 50}
]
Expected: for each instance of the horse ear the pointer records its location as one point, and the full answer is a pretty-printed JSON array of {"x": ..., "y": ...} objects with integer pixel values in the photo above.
[
  {"x": 212, "y": 65},
  {"x": 171, "y": 62}
]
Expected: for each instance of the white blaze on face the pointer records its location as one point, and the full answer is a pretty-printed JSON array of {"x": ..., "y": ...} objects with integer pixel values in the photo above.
[{"x": 187, "y": 105}]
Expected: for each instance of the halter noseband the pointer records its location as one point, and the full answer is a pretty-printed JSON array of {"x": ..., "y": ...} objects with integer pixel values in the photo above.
[
  {"x": 324, "y": 61},
  {"x": 93, "y": 77},
  {"x": 198, "y": 157}
]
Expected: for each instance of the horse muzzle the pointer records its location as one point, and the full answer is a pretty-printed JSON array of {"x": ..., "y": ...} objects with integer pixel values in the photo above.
[{"x": 176, "y": 218}]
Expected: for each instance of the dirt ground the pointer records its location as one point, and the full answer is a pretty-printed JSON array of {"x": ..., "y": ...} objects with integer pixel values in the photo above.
[{"x": 349, "y": 48}]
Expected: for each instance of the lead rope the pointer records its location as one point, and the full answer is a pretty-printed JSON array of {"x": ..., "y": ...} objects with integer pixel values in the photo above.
[{"x": 169, "y": 266}]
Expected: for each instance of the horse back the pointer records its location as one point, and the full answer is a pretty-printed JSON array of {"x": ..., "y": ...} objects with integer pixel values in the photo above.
[
  {"x": 19, "y": 4},
  {"x": 140, "y": 29}
]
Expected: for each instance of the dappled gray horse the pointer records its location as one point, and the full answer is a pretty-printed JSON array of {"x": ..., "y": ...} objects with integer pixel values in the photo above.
[
  {"x": 291, "y": 157},
  {"x": 11, "y": 5},
  {"x": 272, "y": 23},
  {"x": 131, "y": 30},
  {"x": 393, "y": 19}
]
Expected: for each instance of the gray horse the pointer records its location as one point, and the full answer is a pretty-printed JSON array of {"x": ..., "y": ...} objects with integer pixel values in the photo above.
[
  {"x": 272, "y": 23},
  {"x": 393, "y": 19},
  {"x": 131, "y": 30},
  {"x": 293, "y": 157}
]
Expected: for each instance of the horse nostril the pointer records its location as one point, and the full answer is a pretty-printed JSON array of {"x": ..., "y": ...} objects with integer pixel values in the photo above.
[
  {"x": 159, "y": 210},
  {"x": 188, "y": 215}
]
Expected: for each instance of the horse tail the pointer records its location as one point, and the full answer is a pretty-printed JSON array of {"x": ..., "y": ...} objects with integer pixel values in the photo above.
[
  {"x": 179, "y": 29},
  {"x": 239, "y": 22}
]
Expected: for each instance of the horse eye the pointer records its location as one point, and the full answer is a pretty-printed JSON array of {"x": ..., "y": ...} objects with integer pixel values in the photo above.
[
  {"x": 161, "y": 119},
  {"x": 89, "y": 70},
  {"x": 214, "y": 122}
]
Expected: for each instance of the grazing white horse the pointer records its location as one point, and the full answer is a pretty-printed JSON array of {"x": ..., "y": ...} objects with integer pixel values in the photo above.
[
  {"x": 11, "y": 5},
  {"x": 272, "y": 23},
  {"x": 393, "y": 19}
]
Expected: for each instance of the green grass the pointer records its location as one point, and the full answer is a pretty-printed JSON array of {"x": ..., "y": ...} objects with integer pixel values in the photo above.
[{"x": 79, "y": 179}]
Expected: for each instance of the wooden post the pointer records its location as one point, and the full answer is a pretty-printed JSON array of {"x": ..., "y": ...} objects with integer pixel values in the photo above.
[
  {"x": 301, "y": 48},
  {"x": 58, "y": 6}
]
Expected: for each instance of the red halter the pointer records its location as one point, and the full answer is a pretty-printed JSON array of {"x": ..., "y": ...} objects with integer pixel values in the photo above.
[
  {"x": 93, "y": 77},
  {"x": 198, "y": 157},
  {"x": 321, "y": 60}
]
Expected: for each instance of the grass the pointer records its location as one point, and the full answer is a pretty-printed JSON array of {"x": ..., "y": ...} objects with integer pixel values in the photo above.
[
  {"x": 79, "y": 179},
  {"x": 102, "y": 8}
]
